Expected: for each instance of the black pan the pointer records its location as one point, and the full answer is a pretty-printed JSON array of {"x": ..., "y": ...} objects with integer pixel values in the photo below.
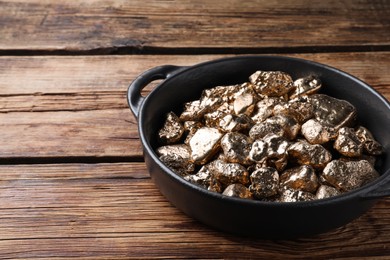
[{"x": 249, "y": 217}]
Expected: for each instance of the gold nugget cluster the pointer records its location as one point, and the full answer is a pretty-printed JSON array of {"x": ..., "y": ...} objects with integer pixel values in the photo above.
[{"x": 271, "y": 139}]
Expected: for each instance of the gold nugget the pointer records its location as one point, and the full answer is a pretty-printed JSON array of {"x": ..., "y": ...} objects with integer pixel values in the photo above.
[
  {"x": 317, "y": 133},
  {"x": 333, "y": 112},
  {"x": 325, "y": 191},
  {"x": 204, "y": 144},
  {"x": 347, "y": 143},
  {"x": 291, "y": 195},
  {"x": 299, "y": 108},
  {"x": 271, "y": 83},
  {"x": 229, "y": 173},
  {"x": 264, "y": 108},
  {"x": 309, "y": 154},
  {"x": 370, "y": 145},
  {"x": 237, "y": 190},
  {"x": 306, "y": 86},
  {"x": 301, "y": 178},
  {"x": 178, "y": 164},
  {"x": 264, "y": 182},
  {"x": 236, "y": 148},
  {"x": 172, "y": 130},
  {"x": 288, "y": 123},
  {"x": 348, "y": 175}
]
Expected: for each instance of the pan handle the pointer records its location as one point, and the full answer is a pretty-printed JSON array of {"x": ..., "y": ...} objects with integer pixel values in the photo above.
[
  {"x": 380, "y": 189},
  {"x": 134, "y": 97}
]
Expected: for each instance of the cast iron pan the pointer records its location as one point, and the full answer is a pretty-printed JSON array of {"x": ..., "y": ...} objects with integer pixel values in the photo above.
[{"x": 248, "y": 217}]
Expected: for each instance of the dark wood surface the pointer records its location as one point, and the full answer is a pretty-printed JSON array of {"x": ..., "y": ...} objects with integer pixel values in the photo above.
[{"x": 72, "y": 178}]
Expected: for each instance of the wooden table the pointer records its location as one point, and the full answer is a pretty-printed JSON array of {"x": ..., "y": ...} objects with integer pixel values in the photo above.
[{"x": 73, "y": 182}]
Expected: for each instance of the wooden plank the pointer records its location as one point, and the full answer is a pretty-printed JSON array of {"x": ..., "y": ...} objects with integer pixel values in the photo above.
[
  {"x": 82, "y": 104},
  {"x": 97, "y": 133},
  {"x": 102, "y": 211},
  {"x": 107, "y": 77},
  {"x": 108, "y": 25}
]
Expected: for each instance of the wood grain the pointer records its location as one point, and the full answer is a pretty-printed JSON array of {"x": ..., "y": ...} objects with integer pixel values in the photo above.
[
  {"x": 72, "y": 180},
  {"x": 57, "y": 106},
  {"x": 102, "y": 211},
  {"x": 138, "y": 25}
]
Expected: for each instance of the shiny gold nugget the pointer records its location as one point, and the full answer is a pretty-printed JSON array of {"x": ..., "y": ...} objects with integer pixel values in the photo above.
[
  {"x": 190, "y": 128},
  {"x": 236, "y": 148},
  {"x": 270, "y": 151},
  {"x": 260, "y": 130},
  {"x": 172, "y": 130},
  {"x": 299, "y": 108},
  {"x": 306, "y": 86},
  {"x": 205, "y": 179},
  {"x": 271, "y": 83},
  {"x": 229, "y": 173},
  {"x": 264, "y": 182},
  {"x": 317, "y": 133},
  {"x": 237, "y": 190},
  {"x": 309, "y": 154},
  {"x": 204, "y": 144},
  {"x": 193, "y": 111},
  {"x": 370, "y": 145},
  {"x": 347, "y": 143},
  {"x": 301, "y": 178},
  {"x": 264, "y": 108},
  {"x": 348, "y": 175},
  {"x": 325, "y": 191},
  {"x": 244, "y": 104},
  {"x": 291, "y": 195},
  {"x": 180, "y": 150},
  {"x": 178, "y": 164},
  {"x": 289, "y": 125},
  {"x": 233, "y": 123},
  {"x": 333, "y": 112}
]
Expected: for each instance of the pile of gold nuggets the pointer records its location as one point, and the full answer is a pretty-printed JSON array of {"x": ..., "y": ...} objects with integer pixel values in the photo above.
[{"x": 270, "y": 139}]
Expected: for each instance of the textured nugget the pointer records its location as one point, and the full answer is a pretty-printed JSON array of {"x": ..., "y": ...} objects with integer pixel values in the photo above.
[
  {"x": 289, "y": 125},
  {"x": 204, "y": 144},
  {"x": 236, "y": 148},
  {"x": 214, "y": 118},
  {"x": 309, "y": 154},
  {"x": 172, "y": 130},
  {"x": 264, "y": 108},
  {"x": 260, "y": 130},
  {"x": 264, "y": 182},
  {"x": 370, "y": 145},
  {"x": 271, "y": 83},
  {"x": 237, "y": 190},
  {"x": 317, "y": 133},
  {"x": 299, "y": 108},
  {"x": 229, "y": 173},
  {"x": 180, "y": 150},
  {"x": 270, "y": 151},
  {"x": 190, "y": 128},
  {"x": 178, "y": 164},
  {"x": 205, "y": 179},
  {"x": 333, "y": 112},
  {"x": 193, "y": 111},
  {"x": 222, "y": 93},
  {"x": 348, "y": 175},
  {"x": 347, "y": 143},
  {"x": 325, "y": 191},
  {"x": 244, "y": 104},
  {"x": 306, "y": 86},
  {"x": 291, "y": 195},
  {"x": 233, "y": 123},
  {"x": 301, "y": 178}
]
